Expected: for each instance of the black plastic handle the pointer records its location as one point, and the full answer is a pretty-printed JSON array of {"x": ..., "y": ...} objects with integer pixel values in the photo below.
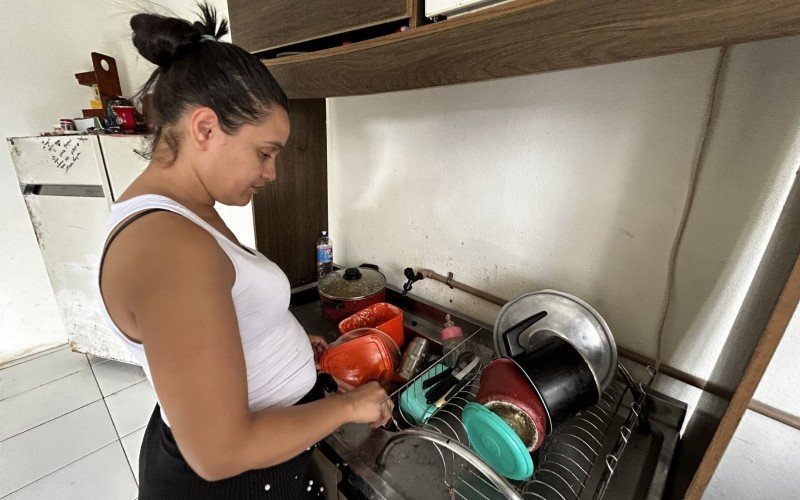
[
  {"x": 439, "y": 376},
  {"x": 511, "y": 336},
  {"x": 440, "y": 389}
]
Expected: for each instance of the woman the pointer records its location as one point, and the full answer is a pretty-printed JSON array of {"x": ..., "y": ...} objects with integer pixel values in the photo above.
[{"x": 208, "y": 318}]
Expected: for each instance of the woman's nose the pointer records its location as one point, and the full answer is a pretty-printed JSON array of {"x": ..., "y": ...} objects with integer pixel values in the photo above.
[{"x": 270, "y": 172}]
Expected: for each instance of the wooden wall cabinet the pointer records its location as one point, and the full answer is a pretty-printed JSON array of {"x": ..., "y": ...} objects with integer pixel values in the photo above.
[
  {"x": 265, "y": 25},
  {"x": 289, "y": 213}
]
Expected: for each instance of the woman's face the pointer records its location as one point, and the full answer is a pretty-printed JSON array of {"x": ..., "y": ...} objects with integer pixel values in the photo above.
[{"x": 241, "y": 164}]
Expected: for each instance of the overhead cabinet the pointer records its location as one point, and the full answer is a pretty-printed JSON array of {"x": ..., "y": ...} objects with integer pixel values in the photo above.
[
  {"x": 524, "y": 37},
  {"x": 267, "y": 25}
]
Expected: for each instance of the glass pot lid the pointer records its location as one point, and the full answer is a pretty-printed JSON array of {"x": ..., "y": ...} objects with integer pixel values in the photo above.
[{"x": 352, "y": 283}]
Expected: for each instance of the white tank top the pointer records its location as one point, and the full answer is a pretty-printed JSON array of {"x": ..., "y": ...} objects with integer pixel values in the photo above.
[{"x": 277, "y": 351}]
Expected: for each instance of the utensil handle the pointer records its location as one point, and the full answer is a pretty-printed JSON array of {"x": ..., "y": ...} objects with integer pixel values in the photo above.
[
  {"x": 440, "y": 389},
  {"x": 439, "y": 376},
  {"x": 511, "y": 336},
  {"x": 454, "y": 390}
]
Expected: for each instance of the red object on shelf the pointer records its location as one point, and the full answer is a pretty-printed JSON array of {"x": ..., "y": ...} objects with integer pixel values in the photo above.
[
  {"x": 382, "y": 316},
  {"x": 126, "y": 116}
]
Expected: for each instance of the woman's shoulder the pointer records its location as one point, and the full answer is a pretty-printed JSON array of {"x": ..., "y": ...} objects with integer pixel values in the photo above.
[{"x": 165, "y": 243}]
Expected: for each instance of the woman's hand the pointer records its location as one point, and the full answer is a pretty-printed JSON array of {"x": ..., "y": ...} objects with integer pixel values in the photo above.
[
  {"x": 369, "y": 404},
  {"x": 319, "y": 345}
]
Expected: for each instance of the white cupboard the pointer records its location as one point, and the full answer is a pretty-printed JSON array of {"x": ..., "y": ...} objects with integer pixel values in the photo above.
[{"x": 68, "y": 184}]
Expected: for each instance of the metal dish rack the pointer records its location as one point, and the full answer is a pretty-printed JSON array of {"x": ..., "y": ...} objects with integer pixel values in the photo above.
[{"x": 577, "y": 461}]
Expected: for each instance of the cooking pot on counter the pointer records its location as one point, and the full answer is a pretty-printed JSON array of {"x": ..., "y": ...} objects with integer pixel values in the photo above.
[{"x": 344, "y": 292}]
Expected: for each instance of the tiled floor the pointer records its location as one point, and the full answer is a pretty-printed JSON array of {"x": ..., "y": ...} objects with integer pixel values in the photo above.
[{"x": 71, "y": 426}]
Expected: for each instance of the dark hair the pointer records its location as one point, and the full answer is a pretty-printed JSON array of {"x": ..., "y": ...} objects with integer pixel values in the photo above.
[{"x": 194, "y": 68}]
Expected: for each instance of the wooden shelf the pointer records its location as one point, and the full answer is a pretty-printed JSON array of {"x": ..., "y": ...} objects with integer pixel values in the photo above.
[{"x": 531, "y": 36}]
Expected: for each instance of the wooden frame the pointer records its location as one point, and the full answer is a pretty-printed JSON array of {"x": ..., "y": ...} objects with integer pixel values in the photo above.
[{"x": 773, "y": 333}]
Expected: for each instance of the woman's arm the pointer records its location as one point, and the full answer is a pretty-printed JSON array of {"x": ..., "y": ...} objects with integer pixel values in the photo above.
[{"x": 184, "y": 314}]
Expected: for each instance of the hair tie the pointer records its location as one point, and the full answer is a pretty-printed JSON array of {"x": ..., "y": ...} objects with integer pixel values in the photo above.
[{"x": 208, "y": 38}]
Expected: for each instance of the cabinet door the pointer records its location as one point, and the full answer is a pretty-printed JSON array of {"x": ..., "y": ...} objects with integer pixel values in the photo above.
[
  {"x": 290, "y": 212},
  {"x": 124, "y": 160},
  {"x": 60, "y": 159},
  {"x": 264, "y": 24},
  {"x": 70, "y": 231}
]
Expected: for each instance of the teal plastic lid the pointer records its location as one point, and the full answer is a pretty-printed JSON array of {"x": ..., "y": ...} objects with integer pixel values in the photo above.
[{"x": 496, "y": 443}]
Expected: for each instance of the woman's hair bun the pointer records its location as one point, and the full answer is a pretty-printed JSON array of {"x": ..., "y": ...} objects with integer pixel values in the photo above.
[{"x": 161, "y": 39}]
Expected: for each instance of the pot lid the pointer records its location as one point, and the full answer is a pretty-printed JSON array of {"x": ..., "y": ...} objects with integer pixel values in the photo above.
[
  {"x": 568, "y": 317},
  {"x": 352, "y": 283},
  {"x": 497, "y": 443}
]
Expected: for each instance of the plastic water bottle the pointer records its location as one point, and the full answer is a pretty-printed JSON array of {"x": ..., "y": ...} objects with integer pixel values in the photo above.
[{"x": 324, "y": 255}]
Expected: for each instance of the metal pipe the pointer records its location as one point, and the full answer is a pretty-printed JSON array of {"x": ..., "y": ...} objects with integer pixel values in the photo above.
[
  {"x": 501, "y": 484},
  {"x": 449, "y": 281}
]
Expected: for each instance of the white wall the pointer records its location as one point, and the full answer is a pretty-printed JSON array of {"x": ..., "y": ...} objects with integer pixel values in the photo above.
[
  {"x": 44, "y": 44},
  {"x": 575, "y": 180}
]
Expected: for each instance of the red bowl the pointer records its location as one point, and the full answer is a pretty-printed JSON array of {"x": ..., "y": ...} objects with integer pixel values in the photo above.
[
  {"x": 382, "y": 315},
  {"x": 504, "y": 387},
  {"x": 361, "y": 356}
]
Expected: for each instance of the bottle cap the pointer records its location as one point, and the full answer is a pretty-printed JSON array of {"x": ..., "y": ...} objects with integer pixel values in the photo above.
[{"x": 324, "y": 233}]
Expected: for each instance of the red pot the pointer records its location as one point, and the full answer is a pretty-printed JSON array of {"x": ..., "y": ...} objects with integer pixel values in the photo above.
[
  {"x": 506, "y": 391},
  {"x": 344, "y": 292}
]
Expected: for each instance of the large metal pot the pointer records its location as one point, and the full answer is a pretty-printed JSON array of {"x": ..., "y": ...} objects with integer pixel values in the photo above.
[{"x": 344, "y": 292}]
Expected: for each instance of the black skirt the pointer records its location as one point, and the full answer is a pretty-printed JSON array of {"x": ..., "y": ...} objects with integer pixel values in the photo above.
[{"x": 165, "y": 474}]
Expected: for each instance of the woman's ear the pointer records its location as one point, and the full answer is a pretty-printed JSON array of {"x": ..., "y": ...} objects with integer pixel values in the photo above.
[{"x": 203, "y": 127}]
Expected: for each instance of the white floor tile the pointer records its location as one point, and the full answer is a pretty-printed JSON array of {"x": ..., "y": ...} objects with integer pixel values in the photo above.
[
  {"x": 37, "y": 406},
  {"x": 39, "y": 371},
  {"x": 102, "y": 475},
  {"x": 44, "y": 449},
  {"x": 114, "y": 376},
  {"x": 132, "y": 443},
  {"x": 23, "y": 359},
  {"x": 95, "y": 360},
  {"x": 131, "y": 408}
]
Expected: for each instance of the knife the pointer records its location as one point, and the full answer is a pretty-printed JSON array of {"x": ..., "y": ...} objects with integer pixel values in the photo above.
[{"x": 443, "y": 387}]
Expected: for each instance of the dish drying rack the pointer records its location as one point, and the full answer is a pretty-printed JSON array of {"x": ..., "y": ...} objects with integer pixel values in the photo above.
[{"x": 576, "y": 461}]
